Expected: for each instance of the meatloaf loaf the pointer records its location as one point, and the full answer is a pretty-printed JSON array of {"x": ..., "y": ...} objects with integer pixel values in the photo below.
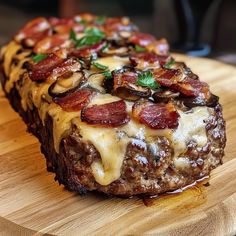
[{"x": 112, "y": 109}]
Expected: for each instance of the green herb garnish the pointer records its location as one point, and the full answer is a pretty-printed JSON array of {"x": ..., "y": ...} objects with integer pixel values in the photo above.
[
  {"x": 169, "y": 64},
  {"x": 99, "y": 66},
  {"x": 39, "y": 57},
  {"x": 139, "y": 49},
  {"x": 107, "y": 74},
  {"x": 100, "y": 20},
  {"x": 73, "y": 35},
  {"x": 146, "y": 80},
  {"x": 92, "y": 36}
]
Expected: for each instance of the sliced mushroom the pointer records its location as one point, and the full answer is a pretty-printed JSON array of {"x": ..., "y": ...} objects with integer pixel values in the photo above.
[
  {"x": 164, "y": 96},
  {"x": 125, "y": 85},
  {"x": 66, "y": 84},
  {"x": 199, "y": 101},
  {"x": 112, "y": 50}
]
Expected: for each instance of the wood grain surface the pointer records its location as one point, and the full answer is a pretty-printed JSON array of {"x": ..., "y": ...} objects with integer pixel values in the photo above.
[{"x": 31, "y": 203}]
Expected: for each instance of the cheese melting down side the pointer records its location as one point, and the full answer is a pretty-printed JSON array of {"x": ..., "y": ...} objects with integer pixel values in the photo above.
[{"x": 110, "y": 142}]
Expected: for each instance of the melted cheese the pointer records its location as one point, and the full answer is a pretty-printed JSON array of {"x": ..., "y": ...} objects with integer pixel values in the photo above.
[
  {"x": 10, "y": 52},
  {"x": 114, "y": 62},
  {"x": 111, "y": 146},
  {"x": 191, "y": 127},
  {"x": 16, "y": 71}
]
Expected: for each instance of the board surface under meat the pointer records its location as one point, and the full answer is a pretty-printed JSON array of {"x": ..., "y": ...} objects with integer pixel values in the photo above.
[{"x": 112, "y": 109}]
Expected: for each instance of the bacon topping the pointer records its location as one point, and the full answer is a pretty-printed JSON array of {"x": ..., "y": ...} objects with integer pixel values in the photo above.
[
  {"x": 193, "y": 88},
  {"x": 65, "y": 25},
  {"x": 167, "y": 77},
  {"x": 156, "y": 116},
  {"x": 87, "y": 51},
  {"x": 74, "y": 101},
  {"x": 150, "y": 43},
  {"x": 51, "y": 43},
  {"x": 142, "y": 39},
  {"x": 52, "y": 66},
  {"x": 110, "y": 114},
  {"x": 34, "y": 31},
  {"x": 143, "y": 60}
]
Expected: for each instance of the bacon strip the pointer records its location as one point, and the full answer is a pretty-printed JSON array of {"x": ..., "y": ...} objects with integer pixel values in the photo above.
[
  {"x": 74, "y": 101},
  {"x": 63, "y": 26},
  {"x": 149, "y": 42},
  {"x": 156, "y": 116},
  {"x": 193, "y": 88},
  {"x": 142, "y": 39},
  {"x": 52, "y": 66},
  {"x": 51, "y": 43},
  {"x": 110, "y": 114},
  {"x": 34, "y": 31},
  {"x": 167, "y": 77},
  {"x": 87, "y": 51},
  {"x": 143, "y": 60}
]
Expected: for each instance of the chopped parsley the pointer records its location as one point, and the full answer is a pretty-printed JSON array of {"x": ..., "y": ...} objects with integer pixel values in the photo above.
[
  {"x": 99, "y": 66},
  {"x": 107, "y": 74},
  {"x": 169, "y": 64},
  {"x": 146, "y": 79},
  {"x": 91, "y": 37},
  {"x": 100, "y": 20},
  {"x": 73, "y": 35},
  {"x": 39, "y": 57},
  {"x": 139, "y": 49}
]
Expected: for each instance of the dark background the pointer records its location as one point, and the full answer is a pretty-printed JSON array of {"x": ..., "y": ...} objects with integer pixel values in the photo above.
[{"x": 198, "y": 27}]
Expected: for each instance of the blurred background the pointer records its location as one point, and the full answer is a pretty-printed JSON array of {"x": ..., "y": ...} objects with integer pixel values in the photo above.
[{"x": 197, "y": 27}]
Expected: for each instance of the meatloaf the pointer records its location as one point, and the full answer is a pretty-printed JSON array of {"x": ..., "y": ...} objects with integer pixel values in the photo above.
[{"x": 112, "y": 109}]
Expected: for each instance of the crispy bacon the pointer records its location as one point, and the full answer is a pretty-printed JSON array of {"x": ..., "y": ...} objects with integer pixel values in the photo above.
[
  {"x": 143, "y": 60},
  {"x": 87, "y": 51},
  {"x": 110, "y": 114},
  {"x": 125, "y": 85},
  {"x": 34, "y": 31},
  {"x": 142, "y": 39},
  {"x": 167, "y": 77},
  {"x": 156, "y": 116},
  {"x": 52, "y": 43},
  {"x": 75, "y": 101},
  {"x": 52, "y": 66},
  {"x": 117, "y": 24},
  {"x": 65, "y": 25},
  {"x": 149, "y": 42},
  {"x": 160, "y": 47},
  {"x": 193, "y": 88}
]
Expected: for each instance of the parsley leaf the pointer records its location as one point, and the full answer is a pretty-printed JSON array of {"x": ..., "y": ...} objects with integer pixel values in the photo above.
[
  {"x": 99, "y": 66},
  {"x": 139, "y": 49},
  {"x": 169, "y": 64},
  {"x": 94, "y": 32},
  {"x": 100, "y": 20},
  {"x": 73, "y": 35},
  {"x": 39, "y": 57},
  {"x": 146, "y": 80},
  {"x": 92, "y": 36},
  {"x": 107, "y": 74}
]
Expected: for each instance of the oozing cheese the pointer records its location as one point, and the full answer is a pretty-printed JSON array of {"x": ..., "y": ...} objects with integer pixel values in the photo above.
[
  {"x": 114, "y": 62},
  {"x": 111, "y": 143},
  {"x": 191, "y": 127}
]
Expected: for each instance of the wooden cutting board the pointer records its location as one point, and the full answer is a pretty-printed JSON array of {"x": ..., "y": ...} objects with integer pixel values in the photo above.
[{"x": 31, "y": 203}]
